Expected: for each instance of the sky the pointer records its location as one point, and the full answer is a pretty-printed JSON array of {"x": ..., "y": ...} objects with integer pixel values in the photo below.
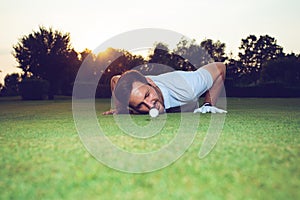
[{"x": 92, "y": 22}]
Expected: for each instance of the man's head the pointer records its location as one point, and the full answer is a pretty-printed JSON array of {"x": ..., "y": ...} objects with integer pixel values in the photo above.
[{"x": 137, "y": 92}]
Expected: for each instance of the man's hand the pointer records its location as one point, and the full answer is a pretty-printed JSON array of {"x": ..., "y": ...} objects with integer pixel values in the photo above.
[
  {"x": 110, "y": 112},
  {"x": 208, "y": 108}
]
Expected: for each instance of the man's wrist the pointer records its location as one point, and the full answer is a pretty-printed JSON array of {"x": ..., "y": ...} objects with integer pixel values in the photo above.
[{"x": 206, "y": 104}]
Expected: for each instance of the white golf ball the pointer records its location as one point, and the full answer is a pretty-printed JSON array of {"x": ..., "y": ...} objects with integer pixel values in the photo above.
[{"x": 153, "y": 112}]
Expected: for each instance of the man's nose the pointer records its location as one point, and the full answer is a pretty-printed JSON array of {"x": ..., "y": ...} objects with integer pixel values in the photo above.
[{"x": 149, "y": 103}]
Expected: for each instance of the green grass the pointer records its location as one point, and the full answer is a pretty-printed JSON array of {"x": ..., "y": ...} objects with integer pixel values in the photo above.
[{"x": 256, "y": 157}]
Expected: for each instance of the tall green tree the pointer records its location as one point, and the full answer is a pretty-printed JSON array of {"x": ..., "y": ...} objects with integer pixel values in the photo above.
[
  {"x": 115, "y": 62},
  {"x": 215, "y": 49},
  {"x": 48, "y": 54},
  {"x": 193, "y": 52},
  {"x": 164, "y": 60},
  {"x": 100, "y": 67},
  {"x": 233, "y": 71},
  {"x": 255, "y": 52}
]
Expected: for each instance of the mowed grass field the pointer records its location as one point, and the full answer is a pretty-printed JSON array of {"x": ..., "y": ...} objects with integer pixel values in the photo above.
[{"x": 257, "y": 155}]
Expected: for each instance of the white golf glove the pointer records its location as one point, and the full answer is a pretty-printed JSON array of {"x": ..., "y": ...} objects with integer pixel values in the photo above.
[{"x": 208, "y": 108}]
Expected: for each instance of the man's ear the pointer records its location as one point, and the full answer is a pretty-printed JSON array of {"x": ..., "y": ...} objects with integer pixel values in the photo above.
[
  {"x": 151, "y": 82},
  {"x": 113, "y": 82}
]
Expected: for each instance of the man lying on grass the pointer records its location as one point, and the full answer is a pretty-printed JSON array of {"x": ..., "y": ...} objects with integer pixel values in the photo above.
[{"x": 176, "y": 91}]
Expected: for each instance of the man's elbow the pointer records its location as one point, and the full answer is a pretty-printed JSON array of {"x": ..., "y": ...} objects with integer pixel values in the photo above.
[{"x": 222, "y": 68}]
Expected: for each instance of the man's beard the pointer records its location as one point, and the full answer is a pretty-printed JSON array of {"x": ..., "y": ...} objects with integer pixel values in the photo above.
[{"x": 159, "y": 95}]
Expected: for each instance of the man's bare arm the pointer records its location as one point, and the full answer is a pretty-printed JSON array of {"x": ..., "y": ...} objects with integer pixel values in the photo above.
[{"x": 113, "y": 83}]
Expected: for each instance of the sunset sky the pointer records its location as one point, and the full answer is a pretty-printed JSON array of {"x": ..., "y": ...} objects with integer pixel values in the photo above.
[{"x": 91, "y": 22}]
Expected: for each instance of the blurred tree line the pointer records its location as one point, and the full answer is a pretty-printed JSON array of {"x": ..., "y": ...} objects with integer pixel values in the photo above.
[{"x": 50, "y": 64}]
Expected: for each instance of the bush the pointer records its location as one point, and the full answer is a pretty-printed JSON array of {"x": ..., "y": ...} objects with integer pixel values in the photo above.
[
  {"x": 34, "y": 89},
  {"x": 263, "y": 90},
  {"x": 284, "y": 71},
  {"x": 103, "y": 91}
]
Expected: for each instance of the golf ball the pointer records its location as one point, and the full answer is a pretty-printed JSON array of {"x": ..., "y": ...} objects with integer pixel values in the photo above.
[{"x": 153, "y": 112}]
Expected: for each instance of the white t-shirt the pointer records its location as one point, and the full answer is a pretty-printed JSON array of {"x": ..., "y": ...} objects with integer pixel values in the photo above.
[{"x": 181, "y": 87}]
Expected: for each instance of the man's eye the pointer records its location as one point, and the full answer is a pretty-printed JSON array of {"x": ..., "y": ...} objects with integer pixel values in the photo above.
[{"x": 147, "y": 94}]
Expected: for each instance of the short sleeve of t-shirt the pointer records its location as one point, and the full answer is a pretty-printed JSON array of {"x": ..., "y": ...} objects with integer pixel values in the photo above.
[{"x": 181, "y": 87}]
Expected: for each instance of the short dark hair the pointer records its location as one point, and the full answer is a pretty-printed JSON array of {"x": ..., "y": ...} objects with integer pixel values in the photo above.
[{"x": 123, "y": 87}]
